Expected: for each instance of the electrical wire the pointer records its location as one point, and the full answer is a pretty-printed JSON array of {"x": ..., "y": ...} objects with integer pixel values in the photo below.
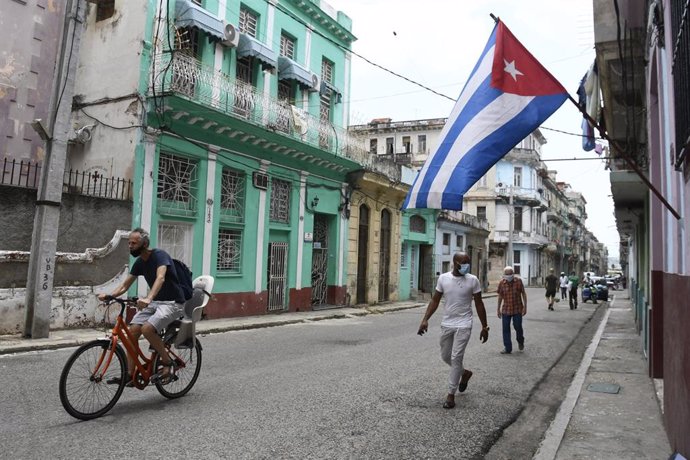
[{"x": 100, "y": 122}]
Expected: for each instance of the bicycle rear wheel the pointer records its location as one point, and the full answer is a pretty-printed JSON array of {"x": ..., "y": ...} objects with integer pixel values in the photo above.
[
  {"x": 85, "y": 393},
  {"x": 185, "y": 377}
]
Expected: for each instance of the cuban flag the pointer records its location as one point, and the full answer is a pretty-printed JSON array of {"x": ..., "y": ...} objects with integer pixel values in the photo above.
[{"x": 507, "y": 96}]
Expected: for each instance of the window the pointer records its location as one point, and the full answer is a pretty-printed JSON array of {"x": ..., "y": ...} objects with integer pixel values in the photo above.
[
  {"x": 177, "y": 185},
  {"x": 104, "y": 9},
  {"x": 248, "y": 22},
  {"x": 516, "y": 262},
  {"x": 327, "y": 71},
  {"x": 445, "y": 267},
  {"x": 287, "y": 46},
  {"x": 481, "y": 212},
  {"x": 176, "y": 240},
  {"x": 325, "y": 117},
  {"x": 680, "y": 28},
  {"x": 517, "y": 176},
  {"x": 459, "y": 242},
  {"x": 373, "y": 146},
  {"x": 517, "y": 219},
  {"x": 280, "y": 201},
  {"x": 403, "y": 255},
  {"x": 417, "y": 224},
  {"x": 421, "y": 143},
  {"x": 229, "y": 250},
  {"x": 446, "y": 243},
  {"x": 407, "y": 144},
  {"x": 244, "y": 71},
  {"x": 389, "y": 145},
  {"x": 232, "y": 196}
]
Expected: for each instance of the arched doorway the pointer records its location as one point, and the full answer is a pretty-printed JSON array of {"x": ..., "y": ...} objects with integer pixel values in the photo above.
[
  {"x": 385, "y": 256},
  {"x": 362, "y": 251}
]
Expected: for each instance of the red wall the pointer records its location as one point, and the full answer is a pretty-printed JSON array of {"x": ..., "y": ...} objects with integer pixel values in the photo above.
[{"x": 676, "y": 357}]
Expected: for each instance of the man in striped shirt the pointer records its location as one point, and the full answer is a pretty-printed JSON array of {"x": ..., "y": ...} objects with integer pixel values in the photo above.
[{"x": 512, "y": 305}]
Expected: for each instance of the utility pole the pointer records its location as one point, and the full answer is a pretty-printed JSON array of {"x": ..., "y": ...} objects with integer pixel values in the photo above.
[
  {"x": 39, "y": 286},
  {"x": 511, "y": 225}
]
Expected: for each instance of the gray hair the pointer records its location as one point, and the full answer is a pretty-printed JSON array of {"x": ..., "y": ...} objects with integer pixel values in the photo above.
[
  {"x": 145, "y": 238},
  {"x": 508, "y": 267}
]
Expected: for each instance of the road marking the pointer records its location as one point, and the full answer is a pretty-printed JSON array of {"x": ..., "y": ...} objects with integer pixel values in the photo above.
[{"x": 554, "y": 435}]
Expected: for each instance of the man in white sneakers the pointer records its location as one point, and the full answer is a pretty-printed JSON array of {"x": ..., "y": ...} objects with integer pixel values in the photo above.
[{"x": 458, "y": 287}]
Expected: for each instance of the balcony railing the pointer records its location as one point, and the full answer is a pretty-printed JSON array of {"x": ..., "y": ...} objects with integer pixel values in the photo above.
[
  {"x": 186, "y": 76},
  {"x": 502, "y": 236},
  {"x": 467, "y": 219}
]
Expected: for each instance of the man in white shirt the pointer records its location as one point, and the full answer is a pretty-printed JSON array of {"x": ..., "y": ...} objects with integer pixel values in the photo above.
[{"x": 458, "y": 287}]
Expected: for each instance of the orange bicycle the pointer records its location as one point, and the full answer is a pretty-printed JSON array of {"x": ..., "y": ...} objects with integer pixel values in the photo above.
[{"x": 95, "y": 375}]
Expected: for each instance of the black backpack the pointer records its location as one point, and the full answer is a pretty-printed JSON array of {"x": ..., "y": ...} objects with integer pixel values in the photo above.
[{"x": 184, "y": 277}]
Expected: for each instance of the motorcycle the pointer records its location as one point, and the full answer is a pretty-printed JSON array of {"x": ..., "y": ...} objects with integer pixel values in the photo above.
[{"x": 590, "y": 292}]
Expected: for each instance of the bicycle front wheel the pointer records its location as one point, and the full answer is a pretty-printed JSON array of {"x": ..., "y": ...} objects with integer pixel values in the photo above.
[
  {"x": 185, "y": 377},
  {"x": 84, "y": 389}
]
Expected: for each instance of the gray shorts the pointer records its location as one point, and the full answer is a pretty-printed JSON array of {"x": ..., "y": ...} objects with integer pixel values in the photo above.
[{"x": 159, "y": 314}]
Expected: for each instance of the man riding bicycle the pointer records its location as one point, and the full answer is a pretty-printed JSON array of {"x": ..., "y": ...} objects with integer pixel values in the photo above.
[{"x": 163, "y": 304}]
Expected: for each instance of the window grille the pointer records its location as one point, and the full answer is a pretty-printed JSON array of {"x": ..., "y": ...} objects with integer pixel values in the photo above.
[
  {"x": 327, "y": 71},
  {"x": 325, "y": 117},
  {"x": 177, "y": 185},
  {"x": 680, "y": 23},
  {"x": 287, "y": 46},
  {"x": 280, "y": 201},
  {"x": 248, "y": 22},
  {"x": 403, "y": 255},
  {"x": 233, "y": 184},
  {"x": 229, "y": 250},
  {"x": 417, "y": 224},
  {"x": 481, "y": 212},
  {"x": 176, "y": 240}
]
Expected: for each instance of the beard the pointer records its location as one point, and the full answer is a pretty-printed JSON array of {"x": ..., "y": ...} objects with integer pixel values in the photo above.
[{"x": 135, "y": 252}]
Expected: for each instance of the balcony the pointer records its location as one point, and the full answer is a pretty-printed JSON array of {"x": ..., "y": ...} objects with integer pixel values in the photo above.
[
  {"x": 522, "y": 195},
  {"x": 187, "y": 78},
  {"x": 466, "y": 219},
  {"x": 526, "y": 156},
  {"x": 502, "y": 236}
]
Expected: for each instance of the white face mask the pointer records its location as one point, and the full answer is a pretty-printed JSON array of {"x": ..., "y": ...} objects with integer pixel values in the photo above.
[
  {"x": 508, "y": 277},
  {"x": 464, "y": 269}
]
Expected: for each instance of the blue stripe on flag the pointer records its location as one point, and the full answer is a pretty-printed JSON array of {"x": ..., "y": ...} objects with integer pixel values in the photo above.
[
  {"x": 480, "y": 158},
  {"x": 484, "y": 95}
]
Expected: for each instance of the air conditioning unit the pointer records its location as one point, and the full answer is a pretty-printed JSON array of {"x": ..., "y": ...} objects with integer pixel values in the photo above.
[
  {"x": 260, "y": 180},
  {"x": 315, "y": 83},
  {"x": 232, "y": 35}
]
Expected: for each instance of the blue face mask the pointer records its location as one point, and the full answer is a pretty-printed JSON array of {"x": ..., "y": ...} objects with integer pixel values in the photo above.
[{"x": 464, "y": 269}]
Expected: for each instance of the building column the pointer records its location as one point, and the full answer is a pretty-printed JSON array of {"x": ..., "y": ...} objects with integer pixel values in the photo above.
[
  {"x": 147, "y": 195},
  {"x": 300, "y": 228},
  {"x": 342, "y": 248},
  {"x": 260, "y": 232},
  {"x": 210, "y": 195}
]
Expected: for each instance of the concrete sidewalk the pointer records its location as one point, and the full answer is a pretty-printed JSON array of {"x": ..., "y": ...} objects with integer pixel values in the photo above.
[
  {"x": 73, "y": 337},
  {"x": 611, "y": 409}
]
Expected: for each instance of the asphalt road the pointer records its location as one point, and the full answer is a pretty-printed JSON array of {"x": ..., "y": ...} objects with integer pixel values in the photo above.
[{"x": 365, "y": 387}]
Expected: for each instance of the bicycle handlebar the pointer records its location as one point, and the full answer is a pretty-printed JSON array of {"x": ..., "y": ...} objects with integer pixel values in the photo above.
[{"x": 132, "y": 301}]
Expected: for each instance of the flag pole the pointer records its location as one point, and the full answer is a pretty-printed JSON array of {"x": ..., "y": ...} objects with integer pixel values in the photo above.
[{"x": 626, "y": 157}]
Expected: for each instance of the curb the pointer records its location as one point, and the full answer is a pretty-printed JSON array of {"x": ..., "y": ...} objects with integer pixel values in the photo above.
[{"x": 201, "y": 330}]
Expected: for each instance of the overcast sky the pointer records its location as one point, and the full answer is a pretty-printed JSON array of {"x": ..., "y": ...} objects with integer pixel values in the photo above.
[{"x": 438, "y": 42}]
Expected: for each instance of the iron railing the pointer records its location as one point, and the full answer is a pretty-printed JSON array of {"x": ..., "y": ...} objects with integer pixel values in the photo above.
[
  {"x": 27, "y": 174},
  {"x": 680, "y": 23},
  {"x": 186, "y": 76}
]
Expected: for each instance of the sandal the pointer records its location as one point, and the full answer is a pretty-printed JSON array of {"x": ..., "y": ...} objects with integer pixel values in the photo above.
[
  {"x": 165, "y": 377},
  {"x": 466, "y": 376},
  {"x": 448, "y": 404}
]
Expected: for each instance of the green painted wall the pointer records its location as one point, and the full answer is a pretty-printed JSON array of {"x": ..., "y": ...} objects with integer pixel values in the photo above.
[{"x": 409, "y": 239}]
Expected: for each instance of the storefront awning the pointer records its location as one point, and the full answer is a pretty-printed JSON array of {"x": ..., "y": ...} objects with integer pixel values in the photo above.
[
  {"x": 290, "y": 70},
  {"x": 189, "y": 14},
  {"x": 250, "y": 46}
]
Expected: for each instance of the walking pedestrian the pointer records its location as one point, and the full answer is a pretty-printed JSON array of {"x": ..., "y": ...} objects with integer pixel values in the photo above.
[
  {"x": 564, "y": 286},
  {"x": 573, "y": 282},
  {"x": 551, "y": 284},
  {"x": 458, "y": 287},
  {"x": 512, "y": 306}
]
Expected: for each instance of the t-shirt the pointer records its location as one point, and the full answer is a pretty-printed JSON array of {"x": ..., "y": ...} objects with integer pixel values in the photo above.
[
  {"x": 458, "y": 292},
  {"x": 564, "y": 281},
  {"x": 551, "y": 283},
  {"x": 574, "y": 281},
  {"x": 147, "y": 268}
]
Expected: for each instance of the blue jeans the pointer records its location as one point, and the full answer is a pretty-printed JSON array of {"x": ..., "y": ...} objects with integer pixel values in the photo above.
[{"x": 517, "y": 324}]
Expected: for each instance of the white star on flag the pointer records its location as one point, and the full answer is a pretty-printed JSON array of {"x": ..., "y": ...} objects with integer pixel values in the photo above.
[{"x": 510, "y": 68}]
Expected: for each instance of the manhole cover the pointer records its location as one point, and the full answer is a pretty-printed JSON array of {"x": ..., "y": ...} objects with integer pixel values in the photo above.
[{"x": 612, "y": 388}]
